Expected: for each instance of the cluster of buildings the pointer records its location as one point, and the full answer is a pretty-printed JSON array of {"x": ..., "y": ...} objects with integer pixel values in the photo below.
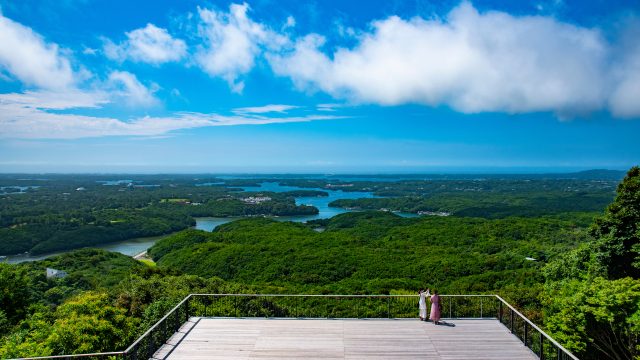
[
  {"x": 334, "y": 186},
  {"x": 256, "y": 199},
  {"x": 434, "y": 213}
]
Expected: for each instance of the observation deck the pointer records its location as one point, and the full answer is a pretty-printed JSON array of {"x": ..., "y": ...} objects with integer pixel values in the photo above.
[
  {"x": 278, "y": 326},
  {"x": 251, "y": 338}
]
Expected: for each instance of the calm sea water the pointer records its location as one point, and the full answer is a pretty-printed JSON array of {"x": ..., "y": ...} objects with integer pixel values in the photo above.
[{"x": 136, "y": 246}]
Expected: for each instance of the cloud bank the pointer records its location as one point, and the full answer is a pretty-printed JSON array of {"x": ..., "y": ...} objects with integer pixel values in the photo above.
[
  {"x": 470, "y": 61},
  {"x": 29, "y": 116}
]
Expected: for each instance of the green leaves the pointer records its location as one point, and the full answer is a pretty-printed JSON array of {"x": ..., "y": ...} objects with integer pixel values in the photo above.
[
  {"x": 594, "y": 318},
  {"x": 89, "y": 323},
  {"x": 592, "y": 297}
]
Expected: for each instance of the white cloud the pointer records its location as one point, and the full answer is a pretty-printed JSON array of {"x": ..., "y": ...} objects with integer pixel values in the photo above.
[
  {"x": 29, "y": 116},
  {"x": 126, "y": 87},
  {"x": 232, "y": 41},
  {"x": 278, "y": 108},
  {"x": 329, "y": 107},
  {"x": 55, "y": 100},
  {"x": 625, "y": 98},
  {"x": 89, "y": 51},
  {"x": 471, "y": 61},
  {"x": 291, "y": 22},
  {"x": 27, "y": 57},
  {"x": 150, "y": 44}
]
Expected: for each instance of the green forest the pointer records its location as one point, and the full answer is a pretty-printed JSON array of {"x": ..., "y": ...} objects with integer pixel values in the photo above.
[
  {"x": 67, "y": 212},
  {"x": 575, "y": 272}
]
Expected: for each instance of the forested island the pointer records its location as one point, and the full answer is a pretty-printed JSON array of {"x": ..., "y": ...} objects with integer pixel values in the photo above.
[
  {"x": 541, "y": 243},
  {"x": 67, "y": 212}
]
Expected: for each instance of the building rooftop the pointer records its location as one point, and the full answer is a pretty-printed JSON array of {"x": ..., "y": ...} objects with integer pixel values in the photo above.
[{"x": 261, "y": 338}]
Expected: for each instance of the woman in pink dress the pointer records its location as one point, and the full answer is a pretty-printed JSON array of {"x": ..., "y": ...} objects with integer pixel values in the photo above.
[{"x": 435, "y": 307}]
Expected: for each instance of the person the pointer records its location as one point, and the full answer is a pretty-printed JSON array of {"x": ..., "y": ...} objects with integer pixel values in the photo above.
[
  {"x": 435, "y": 307},
  {"x": 422, "y": 303}
]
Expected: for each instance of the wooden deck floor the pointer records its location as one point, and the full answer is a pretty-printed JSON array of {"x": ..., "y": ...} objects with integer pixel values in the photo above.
[{"x": 251, "y": 338}]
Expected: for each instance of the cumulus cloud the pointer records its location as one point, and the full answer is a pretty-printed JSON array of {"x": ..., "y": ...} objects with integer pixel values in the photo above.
[
  {"x": 129, "y": 89},
  {"x": 232, "y": 41},
  {"x": 29, "y": 58},
  {"x": 29, "y": 116},
  {"x": 625, "y": 97},
  {"x": 150, "y": 44},
  {"x": 471, "y": 61},
  {"x": 278, "y": 108}
]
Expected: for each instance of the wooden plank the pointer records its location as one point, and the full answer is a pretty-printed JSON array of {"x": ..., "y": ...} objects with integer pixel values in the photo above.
[{"x": 259, "y": 338}]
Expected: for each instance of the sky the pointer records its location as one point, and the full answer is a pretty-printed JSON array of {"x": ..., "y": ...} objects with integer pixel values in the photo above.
[{"x": 269, "y": 86}]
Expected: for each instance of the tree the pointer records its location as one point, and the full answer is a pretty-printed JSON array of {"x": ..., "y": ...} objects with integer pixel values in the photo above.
[
  {"x": 89, "y": 323},
  {"x": 14, "y": 292},
  {"x": 592, "y": 294},
  {"x": 617, "y": 248}
]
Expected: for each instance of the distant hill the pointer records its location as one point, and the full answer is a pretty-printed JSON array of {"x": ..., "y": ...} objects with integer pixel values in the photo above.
[{"x": 599, "y": 174}]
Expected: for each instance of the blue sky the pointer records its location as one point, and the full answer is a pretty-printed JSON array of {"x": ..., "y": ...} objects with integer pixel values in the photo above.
[{"x": 318, "y": 86}]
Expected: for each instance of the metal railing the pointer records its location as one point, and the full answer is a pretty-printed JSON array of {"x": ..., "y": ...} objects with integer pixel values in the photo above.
[
  {"x": 530, "y": 334},
  {"x": 336, "y": 306},
  {"x": 333, "y": 307}
]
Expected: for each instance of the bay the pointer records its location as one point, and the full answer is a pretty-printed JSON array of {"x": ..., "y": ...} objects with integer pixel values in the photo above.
[{"x": 136, "y": 246}]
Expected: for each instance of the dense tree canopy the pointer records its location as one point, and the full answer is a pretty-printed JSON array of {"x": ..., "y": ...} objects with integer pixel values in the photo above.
[
  {"x": 580, "y": 283},
  {"x": 592, "y": 298}
]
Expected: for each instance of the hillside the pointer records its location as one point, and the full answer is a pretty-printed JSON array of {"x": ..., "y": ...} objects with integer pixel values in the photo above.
[{"x": 375, "y": 252}]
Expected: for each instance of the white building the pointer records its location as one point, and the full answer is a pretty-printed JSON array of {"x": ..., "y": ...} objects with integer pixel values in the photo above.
[{"x": 55, "y": 274}]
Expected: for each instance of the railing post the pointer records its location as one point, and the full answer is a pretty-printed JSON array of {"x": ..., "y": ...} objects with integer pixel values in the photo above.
[
  {"x": 526, "y": 332},
  {"x": 326, "y": 308},
  {"x": 150, "y": 346},
  {"x": 511, "y": 319},
  {"x": 186, "y": 311},
  {"x": 164, "y": 331},
  {"x": 481, "y": 308},
  {"x": 500, "y": 310},
  {"x": 541, "y": 347},
  {"x": 389, "y": 299}
]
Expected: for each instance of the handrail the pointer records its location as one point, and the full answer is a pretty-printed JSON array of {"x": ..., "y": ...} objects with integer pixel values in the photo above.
[
  {"x": 339, "y": 295},
  {"x": 113, "y": 353},
  {"x": 537, "y": 328},
  {"x": 154, "y": 326},
  {"x": 151, "y": 343}
]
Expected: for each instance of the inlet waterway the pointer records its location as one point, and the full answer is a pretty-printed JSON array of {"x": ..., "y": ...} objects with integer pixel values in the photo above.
[{"x": 133, "y": 247}]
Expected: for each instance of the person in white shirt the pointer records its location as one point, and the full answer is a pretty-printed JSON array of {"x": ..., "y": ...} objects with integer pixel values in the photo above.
[{"x": 422, "y": 303}]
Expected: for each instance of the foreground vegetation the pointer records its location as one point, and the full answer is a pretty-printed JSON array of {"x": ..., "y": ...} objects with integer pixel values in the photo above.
[{"x": 583, "y": 286}]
